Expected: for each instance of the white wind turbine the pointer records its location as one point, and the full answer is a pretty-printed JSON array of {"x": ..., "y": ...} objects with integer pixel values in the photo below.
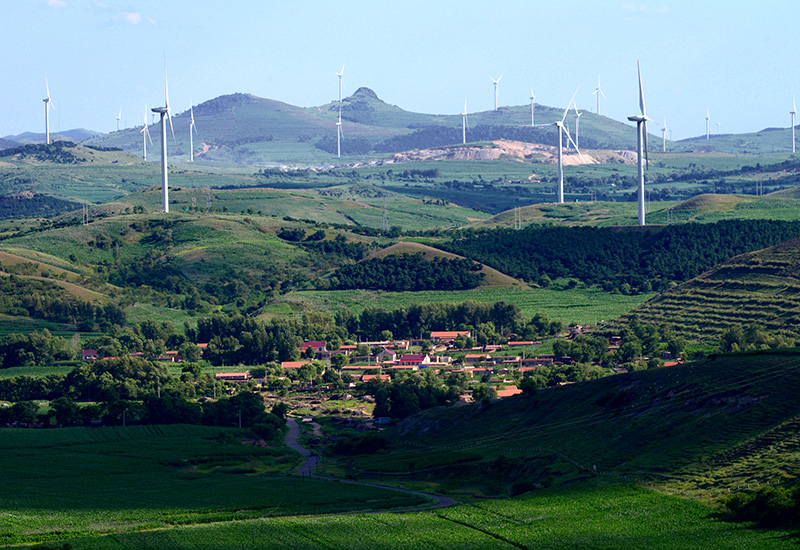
[
  {"x": 664, "y": 137},
  {"x": 598, "y": 92},
  {"x": 793, "y": 112},
  {"x": 577, "y": 122},
  {"x": 496, "y": 82},
  {"x": 561, "y": 130},
  {"x": 119, "y": 117},
  {"x": 464, "y": 124},
  {"x": 533, "y": 98},
  {"x": 641, "y": 143},
  {"x": 340, "y": 75},
  {"x": 708, "y": 123},
  {"x": 192, "y": 128},
  {"x": 145, "y": 135},
  {"x": 47, "y": 104},
  {"x": 165, "y": 113}
]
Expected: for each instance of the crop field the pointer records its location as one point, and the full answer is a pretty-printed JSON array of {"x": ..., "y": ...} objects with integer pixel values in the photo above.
[
  {"x": 581, "y": 306},
  {"x": 595, "y": 516},
  {"x": 72, "y": 482}
]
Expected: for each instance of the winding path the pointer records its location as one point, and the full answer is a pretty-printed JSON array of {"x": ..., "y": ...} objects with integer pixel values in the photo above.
[{"x": 307, "y": 469}]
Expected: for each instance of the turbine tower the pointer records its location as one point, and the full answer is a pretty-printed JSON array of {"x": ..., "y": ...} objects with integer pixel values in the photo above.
[
  {"x": 496, "y": 82},
  {"x": 145, "y": 135},
  {"x": 641, "y": 143},
  {"x": 164, "y": 112},
  {"x": 119, "y": 117},
  {"x": 598, "y": 92},
  {"x": 339, "y": 135},
  {"x": 708, "y": 123},
  {"x": 561, "y": 130},
  {"x": 664, "y": 137},
  {"x": 533, "y": 98},
  {"x": 47, "y": 104},
  {"x": 192, "y": 128},
  {"x": 464, "y": 123},
  {"x": 793, "y": 112}
]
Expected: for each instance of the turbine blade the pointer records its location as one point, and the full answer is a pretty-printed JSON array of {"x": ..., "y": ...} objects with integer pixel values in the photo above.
[
  {"x": 641, "y": 90},
  {"x": 570, "y": 103},
  {"x": 47, "y": 87}
]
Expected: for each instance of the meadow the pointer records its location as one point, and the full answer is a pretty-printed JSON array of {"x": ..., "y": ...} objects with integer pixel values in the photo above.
[{"x": 585, "y": 306}]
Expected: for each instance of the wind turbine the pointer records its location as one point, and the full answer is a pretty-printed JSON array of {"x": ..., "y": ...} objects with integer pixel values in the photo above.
[
  {"x": 165, "y": 113},
  {"x": 577, "y": 122},
  {"x": 664, "y": 137},
  {"x": 340, "y": 75},
  {"x": 47, "y": 104},
  {"x": 192, "y": 128},
  {"x": 119, "y": 117},
  {"x": 464, "y": 124},
  {"x": 793, "y": 112},
  {"x": 145, "y": 135},
  {"x": 708, "y": 123},
  {"x": 561, "y": 130},
  {"x": 598, "y": 92},
  {"x": 496, "y": 82},
  {"x": 533, "y": 98},
  {"x": 641, "y": 142}
]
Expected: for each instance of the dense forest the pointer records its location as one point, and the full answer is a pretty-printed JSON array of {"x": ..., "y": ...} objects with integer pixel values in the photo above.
[
  {"x": 408, "y": 273},
  {"x": 626, "y": 260}
]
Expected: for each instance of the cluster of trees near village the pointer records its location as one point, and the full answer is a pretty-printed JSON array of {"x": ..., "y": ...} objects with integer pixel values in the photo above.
[{"x": 618, "y": 260}]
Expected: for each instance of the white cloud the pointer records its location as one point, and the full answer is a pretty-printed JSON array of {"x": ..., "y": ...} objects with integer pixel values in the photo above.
[
  {"x": 133, "y": 18},
  {"x": 101, "y": 5},
  {"x": 56, "y": 3}
]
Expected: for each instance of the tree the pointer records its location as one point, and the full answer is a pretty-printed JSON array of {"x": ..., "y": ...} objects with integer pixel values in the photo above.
[
  {"x": 338, "y": 361},
  {"x": 65, "y": 411}
]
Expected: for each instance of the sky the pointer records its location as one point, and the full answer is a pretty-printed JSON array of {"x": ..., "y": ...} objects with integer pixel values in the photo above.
[{"x": 732, "y": 58}]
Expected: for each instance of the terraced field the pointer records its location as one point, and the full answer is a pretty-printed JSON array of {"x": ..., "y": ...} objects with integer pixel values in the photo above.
[{"x": 761, "y": 288}]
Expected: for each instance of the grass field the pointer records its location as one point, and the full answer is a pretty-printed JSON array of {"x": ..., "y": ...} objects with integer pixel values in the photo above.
[
  {"x": 581, "y": 306},
  {"x": 70, "y": 482},
  {"x": 594, "y": 516}
]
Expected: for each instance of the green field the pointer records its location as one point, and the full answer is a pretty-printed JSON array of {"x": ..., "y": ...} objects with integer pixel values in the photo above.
[
  {"x": 72, "y": 482},
  {"x": 595, "y": 516},
  {"x": 580, "y": 305}
]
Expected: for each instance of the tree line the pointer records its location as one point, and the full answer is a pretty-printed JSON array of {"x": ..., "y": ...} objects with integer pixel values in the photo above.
[{"x": 618, "y": 259}]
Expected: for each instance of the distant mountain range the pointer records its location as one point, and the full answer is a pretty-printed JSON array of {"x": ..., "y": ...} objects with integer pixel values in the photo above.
[{"x": 246, "y": 129}]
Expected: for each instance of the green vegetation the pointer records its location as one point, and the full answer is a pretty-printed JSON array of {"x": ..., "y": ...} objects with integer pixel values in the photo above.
[
  {"x": 412, "y": 273},
  {"x": 74, "y": 482}
]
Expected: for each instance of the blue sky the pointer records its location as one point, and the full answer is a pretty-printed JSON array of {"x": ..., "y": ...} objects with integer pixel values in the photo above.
[{"x": 734, "y": 58}]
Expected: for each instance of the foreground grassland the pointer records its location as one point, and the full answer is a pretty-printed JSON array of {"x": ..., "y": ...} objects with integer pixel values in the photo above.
[
  {"x": 579, "y": 305},
  {"x": 596, "y": 516},
  {"x": 73, "y": 482}
]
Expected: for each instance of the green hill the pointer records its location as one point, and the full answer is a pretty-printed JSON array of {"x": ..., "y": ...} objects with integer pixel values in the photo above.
[
  {"x": 759, "y": 288},
  {"x": 699, "y": 428}
]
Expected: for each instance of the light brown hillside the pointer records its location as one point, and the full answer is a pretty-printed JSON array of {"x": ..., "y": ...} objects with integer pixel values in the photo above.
[{"x": 492, "y": 277}]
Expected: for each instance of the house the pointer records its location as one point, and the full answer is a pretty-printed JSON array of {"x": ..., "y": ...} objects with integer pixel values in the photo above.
[
  {"x": 448, "y": 336},
  {"x": 378, "y": 377},
  {"x": 410, "y": 368},
  {"x": 473, "y": 358},
  {"x": 293, "y": 365},
  {"x": 314, "y": 345},
  {"x": 508, "y": 391},
  {"x": 233, "y": 376},
  {"x": 519, "y": 343},
  {"x": 385, "y": 356},
  {"x": 414, "y": 359},
  {"x": 89, "y": 355}
]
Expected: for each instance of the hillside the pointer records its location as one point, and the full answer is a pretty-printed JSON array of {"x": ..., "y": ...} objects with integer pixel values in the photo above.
[
  {"x": 699, "y": 428},
  {"x": 759, "y": 288},
  {"x": 491, "y": 277},
  {"x": 246, "y": 129}
]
